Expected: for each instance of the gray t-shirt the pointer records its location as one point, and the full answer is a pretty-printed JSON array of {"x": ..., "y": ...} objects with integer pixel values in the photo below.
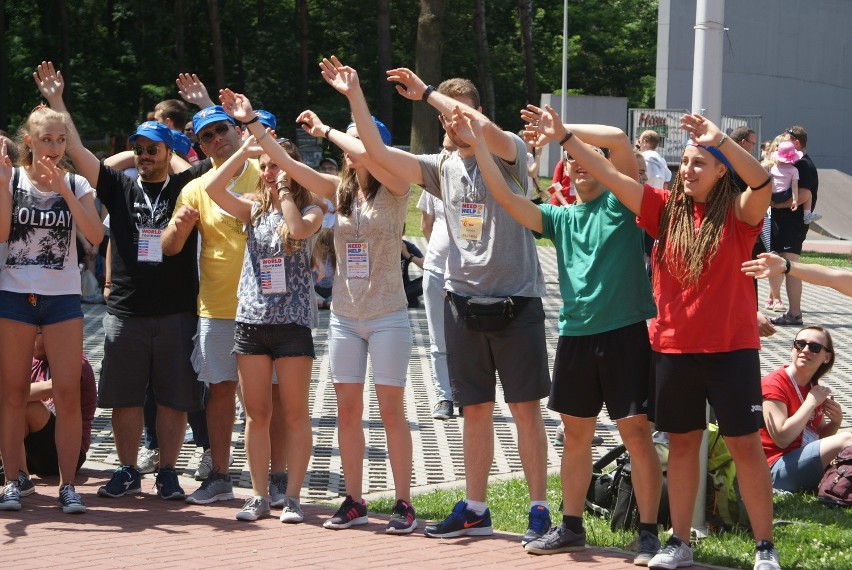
[{"x": 503, "y": 261}]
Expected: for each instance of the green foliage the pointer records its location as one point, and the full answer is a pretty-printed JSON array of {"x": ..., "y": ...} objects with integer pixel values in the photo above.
[
  {"x": 829, "y": 259},
  {"x": 123, "y": 55}
]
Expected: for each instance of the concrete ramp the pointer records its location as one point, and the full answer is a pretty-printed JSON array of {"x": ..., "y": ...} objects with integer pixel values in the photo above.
[{"x": 835, "y": 204}]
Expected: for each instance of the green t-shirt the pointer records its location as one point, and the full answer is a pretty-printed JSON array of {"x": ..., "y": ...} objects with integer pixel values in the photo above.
[{"x": 602, "y": 275}]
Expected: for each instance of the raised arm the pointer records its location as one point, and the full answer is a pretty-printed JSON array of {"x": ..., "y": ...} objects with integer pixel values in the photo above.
[
  {"x": 750, "y": 206},
  {"x": 193, "y": 91},
  {"x": 470, "y": 128},
  {"x": 6, "y": 169},
  {"x": 301, "y": 225},
  {"x": 82, "y": 209},
  {"x": 769, "y": 264},
  {"x": 410, "y": 86},
  {"x": 51, "y": 85},
  {"x": 544, "y": 125},
  {"x": 217, "y": 186},
  {"x": 397, "y": 163}
]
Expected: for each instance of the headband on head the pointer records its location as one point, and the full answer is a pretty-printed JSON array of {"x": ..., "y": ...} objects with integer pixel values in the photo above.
[{"x": 717, "y": 154}]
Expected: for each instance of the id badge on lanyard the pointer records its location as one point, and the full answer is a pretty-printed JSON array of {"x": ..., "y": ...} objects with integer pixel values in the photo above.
[
  {"x": 357, "y": 260},
  {"x": 470, "y": 221},
  {"x": 273, "y": 277},
  {"x": 808, "y": 435},
  {"x": 148, "y": 248}
]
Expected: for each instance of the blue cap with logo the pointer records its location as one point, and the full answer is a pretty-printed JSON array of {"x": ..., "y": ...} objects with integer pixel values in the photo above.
[
  {"x": 182, "y": 142},
  {"x": 204, "y": 117},
  {"x": 267, "y": 119},
  {"x": 154, "y": 131},
  {"x": 383, "y": 130}
]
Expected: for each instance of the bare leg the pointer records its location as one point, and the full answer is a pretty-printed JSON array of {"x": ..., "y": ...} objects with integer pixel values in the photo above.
[
  {"x": 478, "y": 448},
  {"x": 17, "y": 341},
  {"x": 576, "y": 467},
  {"x": 754, "y": 481},
  {"x": 645, "y": 465},
  {"x": 683, "y": 479},
  {"x": 532, "y": 446},
  {"x": 256, "y": 385},
  {"x": 398, "y": 436},
  {"x": 220, "y": 422},
  {"x": 126, "y": 432},
  {"x": 350, "y": 435},
  {"x": 277, "y": 435},
  {"x": 294, "y": 380},
  {"x": 171, "y": 426}
]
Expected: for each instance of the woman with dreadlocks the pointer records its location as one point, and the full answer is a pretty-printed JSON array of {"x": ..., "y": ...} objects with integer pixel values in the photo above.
[{"x": 704, "y": 338}]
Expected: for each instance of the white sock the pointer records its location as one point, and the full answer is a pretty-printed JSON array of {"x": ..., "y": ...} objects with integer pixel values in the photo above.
[
  {"x": 534, "y": 504},
  {"x": 476, "y": 506}
]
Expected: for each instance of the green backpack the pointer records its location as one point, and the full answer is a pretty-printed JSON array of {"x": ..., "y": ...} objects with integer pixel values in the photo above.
[{"x": 724, "y": 509}]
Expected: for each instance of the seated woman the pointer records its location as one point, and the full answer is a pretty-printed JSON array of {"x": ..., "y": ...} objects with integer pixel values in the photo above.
[{"x": 800, "y": 438}]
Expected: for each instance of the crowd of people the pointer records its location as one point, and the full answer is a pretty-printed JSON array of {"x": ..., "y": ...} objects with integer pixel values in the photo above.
[{"x": 223, "y": 246}]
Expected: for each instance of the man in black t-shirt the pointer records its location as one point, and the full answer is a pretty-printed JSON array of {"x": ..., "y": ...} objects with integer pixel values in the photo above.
[{"x": 789, "y": 228}]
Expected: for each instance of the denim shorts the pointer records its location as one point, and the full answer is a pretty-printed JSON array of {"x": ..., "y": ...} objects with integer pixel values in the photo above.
[
  {"x": 275, "y": 341},
  {"x": 387, "y": 339},
  {"x": 798, "y": 470},
  {"x": 38, "y": 310}
]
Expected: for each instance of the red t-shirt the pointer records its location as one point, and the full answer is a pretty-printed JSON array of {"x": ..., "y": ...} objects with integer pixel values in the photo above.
[
  {"x": 778, "y": 386},
  {"x": 717, "y": 315},
  {"x": 560, "y": 176}
]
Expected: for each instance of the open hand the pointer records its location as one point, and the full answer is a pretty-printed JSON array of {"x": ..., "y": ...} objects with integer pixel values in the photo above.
[
  {"x": 192, "y": 90},
  {"x": 236, "y": 104},
  {"x": 701, "y": 130},
  {"x": 342, "y": 77},
  {"x": 53, "y": 177},
  {"x": 49, "y": 81},
  {"x": 766, "y": 265},
  {"x": 410, "y": 86},
  {"x": 6, "y": 165},
  {"x": 543, "y": 125}
]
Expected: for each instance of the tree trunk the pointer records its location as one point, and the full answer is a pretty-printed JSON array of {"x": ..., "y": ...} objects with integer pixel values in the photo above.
[
  {"x": 384, "y": 110},
  {"x": 530, "y": 82},
  {"x": 304, "y": 61},
  {"x": 483, "y": 67},
  {"x": 216, "y": 41},
  {"x": 179, "y": 37},
  {"x": 239, "y": 82},
  {"x": 427, "y": 65}
]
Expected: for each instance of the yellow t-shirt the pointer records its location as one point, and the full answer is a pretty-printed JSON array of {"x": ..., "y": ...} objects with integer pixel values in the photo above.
[{"x": 223, "y": 243}]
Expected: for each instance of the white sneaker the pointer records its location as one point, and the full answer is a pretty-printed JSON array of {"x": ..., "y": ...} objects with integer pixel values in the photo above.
[
  {"x": 811, "y": 217},
  {"x": 254, "y": 508},
  {"x": 148, "y": 460},
  {"x": 766, "y": 560},
  {"x": 292, "y": 512},
  {"x": 675, "y": 554},
  {"x": 205, "y": 466}
]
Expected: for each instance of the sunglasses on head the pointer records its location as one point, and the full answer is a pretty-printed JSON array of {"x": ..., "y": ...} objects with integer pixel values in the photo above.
[
  {"x": 814, "y": 347},
  {"x": 208, "y": 136},
  {"x": 151, "y": 149},
  {"x": 792, "y": 134}
]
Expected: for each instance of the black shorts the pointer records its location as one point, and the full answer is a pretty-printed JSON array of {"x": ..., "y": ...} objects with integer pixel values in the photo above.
[
  {"x": 518, "y": 353},
  {"x": 612, "y": 367},
  {"x": 40, "y": 447},
  {"x": 788, "y": 230},
  {"x": 275, "y": 341},
  {"x": 729, "y": 381}
]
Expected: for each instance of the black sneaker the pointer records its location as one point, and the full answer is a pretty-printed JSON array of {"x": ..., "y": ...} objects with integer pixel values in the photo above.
[
  {"x": 647, "y": 546},
  {"x": 167, "y": 484},
  {"x": 539, "y": 523},
  {"x": 70, "y": 501},
  {"x": 462, "y": 522},
  {"x": 558, "y": 539},
  {"x": 124, "y": 481},
  {"x": 25, "y": 484},
  {"x": 403, "y": 520},
  {"x": 349, "y": 514}
]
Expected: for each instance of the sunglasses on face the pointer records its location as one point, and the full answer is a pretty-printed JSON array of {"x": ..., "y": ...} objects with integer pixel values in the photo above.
[
  {"x": 151, "y": 149},
  {"x": 570, "y": 158},
  {"x": 220, "y": 130},
  {"x": 814, "y": 347}
]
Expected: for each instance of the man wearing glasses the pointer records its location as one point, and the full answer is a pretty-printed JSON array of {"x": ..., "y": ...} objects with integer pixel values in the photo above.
[{"x": 220, "y": 264}]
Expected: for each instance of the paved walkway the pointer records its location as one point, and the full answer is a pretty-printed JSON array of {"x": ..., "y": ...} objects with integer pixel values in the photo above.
[{"x": 137, "y": 531}]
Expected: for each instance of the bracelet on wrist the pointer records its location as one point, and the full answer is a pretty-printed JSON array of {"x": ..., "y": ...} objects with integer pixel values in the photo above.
[
  {"x": 252, "y": 121},
  {"x": 326, "y": 131},
  {"x": 721, "y": 140},
  {"x": 786, "y": 266},
  {"x": 566, "y": 138},
  {"x": 107, "y": 284},
  {"x": 426, "y": 93}
]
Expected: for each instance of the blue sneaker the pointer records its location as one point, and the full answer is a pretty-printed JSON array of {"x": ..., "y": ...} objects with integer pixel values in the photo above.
[
  {"x": 124, "y": 481},
  {"x": 168, "y": 486},
  {"x": 462, "y": 522},
  {"x": 539, "y": 524}
]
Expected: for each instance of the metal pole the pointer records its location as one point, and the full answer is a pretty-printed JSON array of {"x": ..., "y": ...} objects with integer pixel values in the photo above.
[
  {"x": 563, "y": 102},
  {"x": 707, "y": 100}
]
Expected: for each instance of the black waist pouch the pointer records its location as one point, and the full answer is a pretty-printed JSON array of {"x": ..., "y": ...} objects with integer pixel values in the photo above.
[{"x": 487, "y": 313}]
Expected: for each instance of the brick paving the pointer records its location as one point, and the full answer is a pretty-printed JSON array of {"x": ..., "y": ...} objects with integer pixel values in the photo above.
[{"x": 146, "y": 531}]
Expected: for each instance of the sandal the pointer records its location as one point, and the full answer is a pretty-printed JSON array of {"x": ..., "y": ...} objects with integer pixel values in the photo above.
[
  {"x": 787, "y": 319},
  {"x": 770, "y": 303},
  {"x": 778, "y": 306}
]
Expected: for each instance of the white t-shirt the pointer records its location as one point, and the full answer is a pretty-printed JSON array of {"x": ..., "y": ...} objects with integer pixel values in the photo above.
[
  {"x": 42, "y": 248},
  {"x": 439, "y": 242},
  {"x": 657, "y": 169}
]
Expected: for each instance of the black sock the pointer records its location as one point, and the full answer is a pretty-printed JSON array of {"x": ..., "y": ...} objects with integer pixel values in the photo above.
[
  {"x": 574, "y": 524},
  {"x": 764, "y": 545},
  {"x": 650, "y": 527}
]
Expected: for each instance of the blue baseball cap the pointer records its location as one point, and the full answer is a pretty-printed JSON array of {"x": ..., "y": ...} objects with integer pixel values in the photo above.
[
  {"x": 383, "y": 130},
  {"x": 204, "y": 117},
  {"x": 267, "y": 119},
  {"x": 182, "y": 142},
  {"x": 154, "y": 131}
]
